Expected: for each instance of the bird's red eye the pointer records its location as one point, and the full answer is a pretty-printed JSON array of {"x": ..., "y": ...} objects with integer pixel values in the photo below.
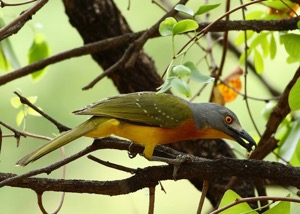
[{"x": 228, "y": 119}]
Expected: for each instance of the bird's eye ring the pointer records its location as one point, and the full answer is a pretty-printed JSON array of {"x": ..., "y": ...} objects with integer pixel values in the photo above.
[{"x": 228, "y": 119}]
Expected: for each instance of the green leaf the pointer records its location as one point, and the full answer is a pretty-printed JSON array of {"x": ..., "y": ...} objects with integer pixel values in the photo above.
[
  {"x": 289, "y": 145},
  {"x": 184, "y": 26},
  {"x": 259, "y": 40},
  {"x": 229, "y": 197},
  {"x": 255, "y": 15},
  {"x": 7, "y": 51},
  {"x": 273, "y": 47},
  {"x": 283, "y": 207},
  {"x": 184, "y": 9},
  {"x": 294, "y": 96},
  {"x": 166, "y": 26},
  {"x": 165, "y": 87},
  {"x": 181, "y": 86},
  {"x": 38, "y": 51},
  {"x": 258, "y": 62},
  {"x": 292, "y": 44},
  {"x": 196, "y": 75},
  {"x": 205, "y": 8},
  {"x": 240, "y": 39},
  {"x": 298, "y": 25},
  {"x": 33, "y": 112},
  {"x": 15, "y": 102},
  {"x": 20, "y": 117},
  {"x": 32, "y": 99},
  {"x": 4, "y": 64},
  {"x": 181, "y": 71}
]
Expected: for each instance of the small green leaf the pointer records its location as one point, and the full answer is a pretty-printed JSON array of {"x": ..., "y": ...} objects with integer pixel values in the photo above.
[
  {"x": 255, "y": 15},
  {"x": 205, "y": 8},
  {"x": 184, "y": 26},
  {"x": 181, "y": 71},
  {"x": 32, "y": 99},
  {"x": 298, "y": 25},
  {"x": 181, "y": 87},
  {"x": 4, "y": 64},
  {"x": 184, "y": 9},
  {"x": 292, "y": 44},
  {"x": 259, "y": 40},
  {"x": 7, "y": 52},
  {"x": 20, "y": 117},
  {"x": 38, "y": 51},
  {"x": 165, "y": 87},
  {"x": 273, "y": 47},
  {"x": 258, "y": 62},
  {"x": 294, "y": 96},
  {"x": 166, "y": 26},
  {"x": 229, "y": 197},
  {"x": 32, "y": 112},
  {"x": 283, "y": 207},
  {"x": 289, "y": 145},
  {"x": 196, "y": 75},
  {"x": 15, "y": 102},
  {"x": 240, "y": 39}
]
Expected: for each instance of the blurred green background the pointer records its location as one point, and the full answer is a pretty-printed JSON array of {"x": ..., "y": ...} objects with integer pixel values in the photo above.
[{"x": 59, "y": 93}]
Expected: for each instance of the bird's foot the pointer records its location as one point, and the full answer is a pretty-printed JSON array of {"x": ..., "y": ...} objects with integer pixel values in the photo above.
[
  {"x": 131, "y": 153},
  {"x": 175, "y": 162}
]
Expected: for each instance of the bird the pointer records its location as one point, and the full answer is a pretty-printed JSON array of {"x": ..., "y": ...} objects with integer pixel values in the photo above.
[{"x": 151, "y": 118}]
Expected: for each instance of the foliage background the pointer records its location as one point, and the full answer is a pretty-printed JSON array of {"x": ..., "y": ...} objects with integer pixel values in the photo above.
[{"x": 59, "y": 93}]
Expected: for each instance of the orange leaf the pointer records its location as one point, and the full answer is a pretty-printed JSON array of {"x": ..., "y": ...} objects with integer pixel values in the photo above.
[{"x": 224, "y": 94}]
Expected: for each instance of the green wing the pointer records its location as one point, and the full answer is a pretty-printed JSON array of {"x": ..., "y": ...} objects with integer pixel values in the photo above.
[{"x": 146, "y": 108}]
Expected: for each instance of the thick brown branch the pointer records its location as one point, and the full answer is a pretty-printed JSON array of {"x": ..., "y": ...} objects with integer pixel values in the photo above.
[{"x": 150, "y": 176}]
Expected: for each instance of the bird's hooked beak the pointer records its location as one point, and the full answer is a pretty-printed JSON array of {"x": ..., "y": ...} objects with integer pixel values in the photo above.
[{"x": 239, "y": 135}]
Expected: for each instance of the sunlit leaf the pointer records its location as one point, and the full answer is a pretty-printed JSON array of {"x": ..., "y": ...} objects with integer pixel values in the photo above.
[
  {"x": 258, "y": 40},
  {"x": 15, "y": 102},
  {"x": 38, "y": 50},
  {"x": 20, "y": 118},
  {"x": 166, "y": 26},
  {"x": 258, "y": 62},
  {"x": 255, "y": 15},
  {"x": 32, "y": 112},
  {"x": 229, "y": 197},
  {"x": 184, "y": 26},
  {"x": 294, "y": 96},
  {"x": 32, "y": 99},
  {"x": 8, "y": 54},
  {"x": 196, "y": 75},
  {"x": 205, "y": 8},
  {"x": 181, "y": 86},
  {"x": 292, "y": 44},
  {"x": 165, "y": 87},
  {"x": 273, "y": 47},
  {"x": 184, "y": 9},
  {"x": 290, "y": 143},
  {"x": 240, "y": 39},
  {"x": 283, "y": 207},
  {"x": 181, "y": 71}
]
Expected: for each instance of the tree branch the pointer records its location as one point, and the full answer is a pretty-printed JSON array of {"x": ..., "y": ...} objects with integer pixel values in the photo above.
[{"x": 199, "y": 168}]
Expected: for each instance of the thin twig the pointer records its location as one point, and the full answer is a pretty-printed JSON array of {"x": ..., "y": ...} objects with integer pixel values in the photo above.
[
  {"x": 25, "y": 101},
  {"x": 203, "y": 195},
  {"x": 112, "y": 165},
  {"x": 14, "y": 26},
  {"x": 151, "y": 200},
  {"x": 251, "y": 199}
]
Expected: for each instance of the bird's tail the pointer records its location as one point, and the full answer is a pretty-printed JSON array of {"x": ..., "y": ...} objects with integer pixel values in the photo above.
[{"x": 62, "y": 139}]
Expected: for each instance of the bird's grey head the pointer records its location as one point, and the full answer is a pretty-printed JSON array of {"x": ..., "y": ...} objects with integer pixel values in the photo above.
[{"x": 220, "y": 118}]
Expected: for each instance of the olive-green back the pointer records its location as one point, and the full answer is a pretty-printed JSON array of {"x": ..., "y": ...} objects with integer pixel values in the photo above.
[{"x": 145, "y": 108}]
